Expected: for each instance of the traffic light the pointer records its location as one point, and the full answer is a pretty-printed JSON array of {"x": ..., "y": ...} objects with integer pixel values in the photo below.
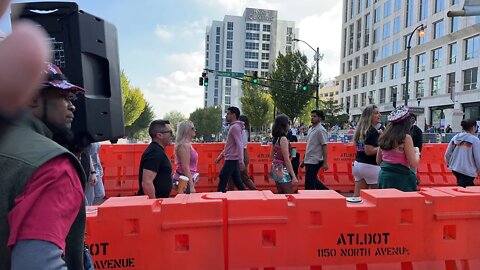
[
  {"x": 255, "y": 77},
  {"x": 305, "y": 85},
  {"x": 205, "y": 81},
  {"x": 200, "y": 81}
]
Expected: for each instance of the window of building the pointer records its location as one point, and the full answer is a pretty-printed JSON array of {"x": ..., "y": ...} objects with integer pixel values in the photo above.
[
  {"x": 368, "y": 3},
  {"x": 228, "y": 82},
  {"x": 377, "y": 16},
  {"x": 472, "y": 45},
  {"x": 423, "y": 11},
  {"x": 217, "y": 39},
  {"x": 251, "y": 64},
  {"x": 375, "y": 56},
  {"x": 470, "y": 79},
  {"x": 373, "y": 77},
  {"x": 357, "y": 62},
  {"x": 229, "y": 45},
  {"x": 404, "y": 67},
  {"x": 218, "y": 31},
  {"x": 350, "y": 65},
  {"x": 251, "y": 46},
  {"x": 264, "y": 65},
  {"x": 453, "y": 24},
  {"x": 439, "y": 5},
  {"x": 229, "y": 35},
  {"x": 344, "y": 42},
  {"x": 264, "y": 74},
  {"x": 365, "y": 59},
  {"x": 404, "y": 92},
  {"x": 393, "y": 93},
  {"x": 363, "y": 99},
  {"x": 266, "y": 37},
  {"x": 229, "y": 25},
  {"x": 451, "y": 82},
  {"x": 409, "y": 20},
  {"x": 376, "y": 35},
  {"x": 350, "y": 39},
  {"x": 371, "y": 97},
  {"x": 397, "y": 5},
  {"x": 266, "y": 28},
  {"x": 355, "y": 101},
  {"x": 383, "y": 74},
  {"x": 386, "y": 30},
  {"x": 382, "y": 95},
  {"x": 265, "y": 56},
  {"x": 454, "y": 2},
  {"x": 252, "y": 36},
  {"x": 385, "y": 51},
  {"x": 229, "y": 63},
  {"x": 396, "y": 25},
  {"x": 229, "y": 53},
  {"x": 452, "y": 53},
  {"x": 251, "y": 55},
  {"x": 387, "y": 8},
  {"x": 435, "y": 86},
  {"x": 349, "y": 84},
  {"x": 421, "y": 62},
  {"x": 395, "y": 46},
  {"x": 355, "y": 82},
  {"x": 366, "y": 30},
  {"x": 439, "y": 29},
  {"x": 253, "y": 27},
  {"x": 394, "y": 71},
  {"x": 421, "y": 40},
  {"x": 265, "y": 47},
  {"x": 419, "y": 88},
  {"x": 364, "y": 79},
  {"x": 359, "y": 35},
  {"x": 436, "y": 58},
  {"x": 352, "y": 9}
]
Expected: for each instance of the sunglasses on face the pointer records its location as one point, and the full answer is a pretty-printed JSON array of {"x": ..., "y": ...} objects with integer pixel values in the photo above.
[{"x": 167, "y": 131}]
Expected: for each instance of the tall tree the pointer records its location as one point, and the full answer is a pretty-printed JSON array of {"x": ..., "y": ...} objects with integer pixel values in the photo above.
[
  {"x": 333, "y": 112},
  {"x": 174, "y": 117},
  {"x": 132, "y": 100},
  {"x": 256, "y": 104},
  {"x": 207, "y": 121},
  {"x": 139, "y": 128},
  {"x": 289, "y": 71}
]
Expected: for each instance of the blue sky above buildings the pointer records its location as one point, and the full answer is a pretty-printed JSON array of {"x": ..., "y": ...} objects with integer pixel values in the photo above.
[{"x": 162, "y": 43}]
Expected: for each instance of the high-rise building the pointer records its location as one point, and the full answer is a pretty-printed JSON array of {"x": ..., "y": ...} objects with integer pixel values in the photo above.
[
  {"x": 443, "y": 72},
  {"x": 243, "y": 44}
]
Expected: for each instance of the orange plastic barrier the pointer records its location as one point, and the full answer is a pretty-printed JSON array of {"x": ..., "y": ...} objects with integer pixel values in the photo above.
[
  {"x": 435, "y": 228},
  {"x": 121, "y": 166}
]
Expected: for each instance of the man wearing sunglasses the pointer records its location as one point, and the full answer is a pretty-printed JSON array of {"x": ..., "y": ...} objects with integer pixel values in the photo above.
[
  {"x": 155, "y": 174},
  {"x": 42, "y": 213}
]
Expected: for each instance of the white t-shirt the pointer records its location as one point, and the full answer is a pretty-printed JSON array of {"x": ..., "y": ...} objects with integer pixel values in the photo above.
[{"x": 245, "y": 138}]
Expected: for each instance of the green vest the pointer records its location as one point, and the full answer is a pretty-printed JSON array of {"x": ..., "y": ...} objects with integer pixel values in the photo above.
[{"x": 24, "y": 148}]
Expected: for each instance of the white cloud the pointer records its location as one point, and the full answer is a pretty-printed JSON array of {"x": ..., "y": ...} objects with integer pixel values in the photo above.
[
  {"x": 178, "y": 90},
  {"x": 162, "y": 33}
]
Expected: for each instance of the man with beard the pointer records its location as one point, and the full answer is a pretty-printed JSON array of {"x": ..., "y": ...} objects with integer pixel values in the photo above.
[{"x": 42, "y": 213}]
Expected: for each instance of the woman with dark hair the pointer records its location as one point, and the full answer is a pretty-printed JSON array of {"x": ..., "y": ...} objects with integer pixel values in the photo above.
[
  {"x": 246, "y": 158},
  {"x": 281, "y": 170},
  {"x": 365, "y": 168},
  {"x": 463, "y": 154},
  {"x": 397, "y": 154}
]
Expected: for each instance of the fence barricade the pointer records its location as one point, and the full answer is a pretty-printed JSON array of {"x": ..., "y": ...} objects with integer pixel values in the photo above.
[{"x": 435, "y": 228}]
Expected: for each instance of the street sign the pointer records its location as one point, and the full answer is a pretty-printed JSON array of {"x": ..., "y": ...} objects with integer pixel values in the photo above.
[
  {"x": 417, "y": 110},
  {"x": 229, "y": 74}
]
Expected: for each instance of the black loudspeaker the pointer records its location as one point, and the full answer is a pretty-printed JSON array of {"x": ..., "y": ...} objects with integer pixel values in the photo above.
[{"x": 86, "y": 50}]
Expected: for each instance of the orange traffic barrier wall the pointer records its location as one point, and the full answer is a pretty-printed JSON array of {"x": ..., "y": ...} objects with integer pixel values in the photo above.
[
  {"x": 121, "y": 165},
  {"x": 435, "y": 228}
]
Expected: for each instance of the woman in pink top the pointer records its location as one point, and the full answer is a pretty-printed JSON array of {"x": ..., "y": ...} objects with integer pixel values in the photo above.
[
  {"x": 397, "y": 154},
  {"x": 186, "y": 157}
]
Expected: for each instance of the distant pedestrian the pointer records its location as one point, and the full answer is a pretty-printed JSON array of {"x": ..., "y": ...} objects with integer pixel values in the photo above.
[
  {"x": 397, "y": 154},
  {"x": 463, "y": 154},
  {"x": 448, "y": 129},
  {"x": 99, "y": 190},
  {"x": 281, "y": 170},
  {"x": 317, "y": 152},
  {"x": 365, "y": 168},
  {"x": 233, "y": 152},
  {"x": 155, "y": 172}
]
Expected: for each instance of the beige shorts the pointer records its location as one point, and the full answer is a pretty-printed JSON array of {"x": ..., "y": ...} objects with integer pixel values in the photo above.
[{"x": 366, "y": 171}]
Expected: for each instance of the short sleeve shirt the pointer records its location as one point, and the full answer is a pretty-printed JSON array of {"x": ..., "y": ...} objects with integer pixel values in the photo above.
[
  {"x": 316, "y": 138},
  {"x": 371, "y": 139},
  {"x": 48, "y": 205},
  {"x": 155, "y": 159}
]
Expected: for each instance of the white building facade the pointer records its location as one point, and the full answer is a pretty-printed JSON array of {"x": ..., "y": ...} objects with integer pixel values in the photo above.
[
  {"x": 243, "y": 44},
  {"x": 443, "y": 72}
]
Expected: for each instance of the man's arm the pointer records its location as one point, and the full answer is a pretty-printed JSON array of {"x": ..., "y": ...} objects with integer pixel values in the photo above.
[
  {"x": 323, "y": 142},
  {"x": 147, "y": 183},
  {"x": 239, "y": 144}
]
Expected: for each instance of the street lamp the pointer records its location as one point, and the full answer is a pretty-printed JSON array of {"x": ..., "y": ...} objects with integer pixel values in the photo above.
[
  {"x": 421, "y": 33},
  {"x": 317, "y": 57}
]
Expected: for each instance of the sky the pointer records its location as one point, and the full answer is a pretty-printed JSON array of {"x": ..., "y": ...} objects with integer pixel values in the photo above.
[{"x": 162, "y": 42}]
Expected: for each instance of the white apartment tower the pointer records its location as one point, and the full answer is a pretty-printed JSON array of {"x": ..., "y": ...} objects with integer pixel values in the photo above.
[
  {"x": 443, "y": 73},
  {"x": 243, "y": 44}
]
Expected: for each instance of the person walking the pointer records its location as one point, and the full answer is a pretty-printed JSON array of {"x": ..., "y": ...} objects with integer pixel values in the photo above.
[
  {"x": 463, "y": 154},
  {"x": 281, "y": 170},
  {"x": 317, "y": 151},
  {"x": 155, "y": 172},
  {"x": 186, "y": 157},
  {"x": 396, "y": 154},
  {"x": 233, "y": 152},
  {"x": 365, "y": 168},
  {"x": 42, "y": 213},
  {"x": 246, "y": 158}
]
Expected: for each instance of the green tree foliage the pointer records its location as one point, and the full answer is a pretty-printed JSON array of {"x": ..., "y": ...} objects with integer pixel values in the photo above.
[
  {"x": 256, "y": 104},
  {"x": 333, "y": 112},
  {"x": 132, "y": 100},
  {"x": 288, "y": 96},
  {"x": 304, "y": 118},
  {"x": 174, "y": 117},
  {"x": 207, "y": 121},
  {"x": 139, "y": 128}
]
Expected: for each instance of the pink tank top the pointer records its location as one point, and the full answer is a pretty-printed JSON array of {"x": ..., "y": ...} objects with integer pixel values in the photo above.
[
  {"x": 193, "y": 162},
  {"x": 395, "y": 157}
]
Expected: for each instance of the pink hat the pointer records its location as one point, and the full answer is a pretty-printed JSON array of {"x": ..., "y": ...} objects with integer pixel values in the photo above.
[
  {"x": 398, "y": 114},
  {"x": 55, "y": 78}
]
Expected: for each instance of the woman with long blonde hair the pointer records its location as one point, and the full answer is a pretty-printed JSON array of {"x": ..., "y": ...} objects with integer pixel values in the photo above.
[
  {"x": 365, "y": 168},
  {"x": 186, "y": 157}
]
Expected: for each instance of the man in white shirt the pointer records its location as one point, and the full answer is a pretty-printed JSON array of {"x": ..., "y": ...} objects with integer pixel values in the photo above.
[{"x": 316, "y": 153}]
